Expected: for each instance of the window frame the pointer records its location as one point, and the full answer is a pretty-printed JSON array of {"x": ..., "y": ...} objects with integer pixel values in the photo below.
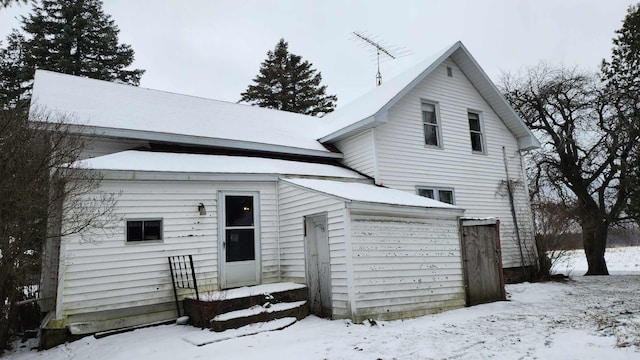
[
  {"x": 481, "y": 132},
  {"x": 437, "y": 125},
  {"x": 143, "y": 241},
  {"x": 253, "y": 226},
  {"x": 436, "y": 192}
]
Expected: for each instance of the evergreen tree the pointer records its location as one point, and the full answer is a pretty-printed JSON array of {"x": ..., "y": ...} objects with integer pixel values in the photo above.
[
  {"x": 621, "y": 76},
  {"x": 285, "y": 82},
  {"x": 7, "y": 3},
  {"x": 69, "y": 36},
  {"x": 12, "y": 76}
]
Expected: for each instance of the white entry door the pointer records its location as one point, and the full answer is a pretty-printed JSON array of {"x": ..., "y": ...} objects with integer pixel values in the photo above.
[
  {"x": 318, "y": 265},
  {"x": 239, "y": 239}
]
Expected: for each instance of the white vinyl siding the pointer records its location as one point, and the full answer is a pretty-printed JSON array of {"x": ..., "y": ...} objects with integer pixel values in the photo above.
[
  {"x": 103, "y": 272},
  {"x": 406, "y": 267},
  {"x": 295, "y": 204},
  {"x": 478, "y": 181},
  {"x": 359, "y": 152}
]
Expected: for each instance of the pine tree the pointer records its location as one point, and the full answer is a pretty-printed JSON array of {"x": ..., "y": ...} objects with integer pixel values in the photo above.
[
  {"x": 7, "y": 3},
  {"x": 285, "y": 82},
  {"x": 12, "y": 76},
  {"x": 622, "y": 73},
  {"x": 621, "y": 76},
  {"x": 69, "y": 36}
]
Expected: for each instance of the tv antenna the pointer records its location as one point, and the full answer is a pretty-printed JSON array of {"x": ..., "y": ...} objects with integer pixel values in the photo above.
[{"x": 379, "y": 48}]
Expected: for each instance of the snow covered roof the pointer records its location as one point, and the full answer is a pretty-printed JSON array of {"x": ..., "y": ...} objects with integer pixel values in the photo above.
[
  {"x": 133, "y": 160},
  {"x": 119, "y": 110},
  {"x": 354, "y": 191},
  {"x": 370, "y": 109}
]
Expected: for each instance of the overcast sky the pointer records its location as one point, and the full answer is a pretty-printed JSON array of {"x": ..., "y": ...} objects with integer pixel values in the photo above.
[{"x": 213, "y": 48}]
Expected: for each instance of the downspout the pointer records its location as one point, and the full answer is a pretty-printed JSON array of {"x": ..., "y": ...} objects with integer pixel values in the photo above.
[
  {"x": 376, "y": 167},
  {"x": 513, "y": 209},
  {"x": 278, "y": 232}
]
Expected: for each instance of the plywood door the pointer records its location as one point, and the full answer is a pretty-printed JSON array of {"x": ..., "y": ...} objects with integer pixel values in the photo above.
[
  {"x": 318, "y": 265},
  {"x": 482, "y": 264}
]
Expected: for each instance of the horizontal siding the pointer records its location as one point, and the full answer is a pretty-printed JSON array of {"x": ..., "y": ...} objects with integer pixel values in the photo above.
[
  {"x": 295, "y": 204},
  {"x": 359, "y": 152},
  {"x": 406, "y": 267},
  {"x": 102, "y": 272},
  {"x": 478, "y": 179}
]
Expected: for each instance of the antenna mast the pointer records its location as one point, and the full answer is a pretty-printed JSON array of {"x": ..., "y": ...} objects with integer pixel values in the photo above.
[{"x": 379, "y": 49}]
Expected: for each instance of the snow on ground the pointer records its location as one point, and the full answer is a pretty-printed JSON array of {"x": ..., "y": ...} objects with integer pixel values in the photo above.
[
  {"x": 595, "y": 317},
  {"x": 620, "y": 260}
]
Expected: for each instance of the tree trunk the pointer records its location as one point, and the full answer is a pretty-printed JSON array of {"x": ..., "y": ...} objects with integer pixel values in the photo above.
[{"x": 594, "y": 239}]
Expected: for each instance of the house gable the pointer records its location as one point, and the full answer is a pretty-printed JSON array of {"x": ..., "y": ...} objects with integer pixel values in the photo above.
[
  {"x": 476, "y": 179},
  {"x": 372, "y": 109}
]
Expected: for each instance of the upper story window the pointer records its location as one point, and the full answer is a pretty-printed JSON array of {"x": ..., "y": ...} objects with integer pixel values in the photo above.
[
  {"x": 475, "y": 130},
  {"x": 432, "y": 134},
  {"x": 444, "y": 195},
  {"x": 144, "y": 230}
]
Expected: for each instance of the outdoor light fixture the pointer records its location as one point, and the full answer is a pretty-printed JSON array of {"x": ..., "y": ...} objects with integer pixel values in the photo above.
[{"x": 201, "y": 209}]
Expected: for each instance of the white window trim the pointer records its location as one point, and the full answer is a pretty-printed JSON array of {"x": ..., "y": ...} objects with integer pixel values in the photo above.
[
  {"x": 436, "y": 190},
  {"x": 483, "y": 138},
  {"x": 436, "y": 106},
  {"x": 139, "y": 242}
]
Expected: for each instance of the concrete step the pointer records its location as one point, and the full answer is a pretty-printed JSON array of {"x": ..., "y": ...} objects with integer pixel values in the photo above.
[
  {"x": 202, "y": 338},
  {"x": 210, "y": 305},
  {"x": 259, "y": 313}
]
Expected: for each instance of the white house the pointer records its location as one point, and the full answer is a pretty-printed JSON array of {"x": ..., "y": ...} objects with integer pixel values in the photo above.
[{"x": 367, "y": 202}]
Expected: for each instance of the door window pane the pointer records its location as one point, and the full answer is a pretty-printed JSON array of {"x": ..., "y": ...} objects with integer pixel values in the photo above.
[
  {"x": 239, "y": 210},
  {"x": 240, "y": 245}
]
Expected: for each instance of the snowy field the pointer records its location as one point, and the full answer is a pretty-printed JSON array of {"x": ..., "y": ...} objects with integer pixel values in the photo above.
[{"x": 584, "y": 318}]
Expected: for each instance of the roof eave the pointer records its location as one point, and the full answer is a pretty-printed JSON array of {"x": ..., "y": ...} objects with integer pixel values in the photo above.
[
  {"x": 481, "y": 81},
  {"x": 364, "y": 124},
  {"x": 529, "y": 142},
  {"x": 199, "y": 141},
  {"x": 365, "y": 206},
  {"x": 382, "y": 112}
]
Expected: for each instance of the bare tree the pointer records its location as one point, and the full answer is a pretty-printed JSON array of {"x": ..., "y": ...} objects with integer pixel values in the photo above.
[
  {"x": 40, "y": 185},
  {"x": 583, "y": 162},
  {"x": 555, "y": 224}
]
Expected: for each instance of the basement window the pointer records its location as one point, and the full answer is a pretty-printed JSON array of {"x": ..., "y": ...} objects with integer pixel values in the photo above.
[
  {"x": 142, "y": 230},
  {"x": 444, "y": 195}
]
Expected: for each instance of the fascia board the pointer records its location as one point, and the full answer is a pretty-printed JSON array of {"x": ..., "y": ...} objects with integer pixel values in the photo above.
[{"x": 197, "y": 140}]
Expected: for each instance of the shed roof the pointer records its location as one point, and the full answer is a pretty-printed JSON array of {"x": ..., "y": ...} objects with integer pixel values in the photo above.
[
  {"x": 134, "y": 160},
  {"x": 360, "y": 192},
  {"x": 370, "y": 109},
  {"x": 120, "y": 110}
]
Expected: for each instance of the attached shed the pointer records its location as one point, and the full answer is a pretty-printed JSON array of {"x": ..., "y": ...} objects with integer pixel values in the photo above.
[
  {"x": 364, "y": 251},
  {"x": 371, "y": 252}
]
